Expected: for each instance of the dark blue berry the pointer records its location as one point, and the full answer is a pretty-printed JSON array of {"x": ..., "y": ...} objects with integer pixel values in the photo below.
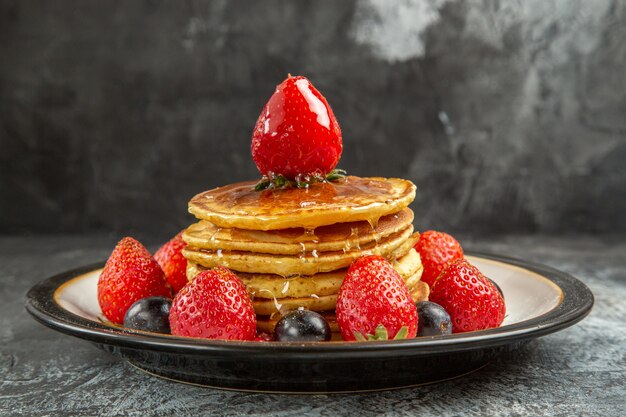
[
  {"x": 151, "y": 314},
  {"x": 302, "y": 326},
  {"x": 433, "y": 320}
]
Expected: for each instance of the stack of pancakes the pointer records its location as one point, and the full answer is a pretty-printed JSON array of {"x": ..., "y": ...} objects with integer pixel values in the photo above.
[{"x": 292, "y": 247}]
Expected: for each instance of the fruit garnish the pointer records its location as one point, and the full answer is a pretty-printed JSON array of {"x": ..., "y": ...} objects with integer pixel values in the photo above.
[
  {"x": 301, "y": 181},
  {"x": 214, "y": 305},
  {"x": 296, "y": 132},
  {"x": 497, "y": 287},
  {"x": 471, "y": 299},
  {"x": 172, "y": 262},
  {"x": 150, "y": 314},
  {"x": 434, "y": 320},
  {"x": 129, "y": 275},
  {"x": 302, "y": 326},
  {"x": 381, "y": 334},
  {"x": 373, "y": 295},
  {"x": 263, "y": 337},
  {"x": 437, "y": 250}
]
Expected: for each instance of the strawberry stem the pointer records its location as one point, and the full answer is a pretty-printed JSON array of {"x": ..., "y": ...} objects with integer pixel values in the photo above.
[
  {"x": 381, "y": 333},
  {"x": 402, "y": 333},
  {"x": 359, "y": 337},
  {"x": 301, "y": 181}
]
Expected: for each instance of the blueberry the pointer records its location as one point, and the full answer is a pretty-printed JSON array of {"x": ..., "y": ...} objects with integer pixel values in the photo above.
[
  {"x": 433, "y": 320},
  {"x": 302, "y": 326},
  {"x": 151, "y": 314}
]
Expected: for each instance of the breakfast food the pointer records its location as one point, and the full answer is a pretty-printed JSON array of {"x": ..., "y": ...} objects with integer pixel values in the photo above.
[
  {"x": 292, "y": 236},
  {"x": 150, "y": 314},
  {"x": 307, "y": 253},
  {"x": 292, "y": 246},
  {"x": 296, "y": 133},
  {"x": 214, "y": 306},
  {"x": 172, "y": 262},
  {"x": 471, "y": 299},
  {"x": 437, "y": 250},
  {"x": 302, "y": 326},
  {"x": 130, "y": 274},
  {"x": 433, "y": 320},
  {"x": 373, "y": 301}
]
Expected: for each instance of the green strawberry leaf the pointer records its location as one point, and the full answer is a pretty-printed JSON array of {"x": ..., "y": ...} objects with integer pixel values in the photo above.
[
  {"x": 359, "y": 337},
  {"x": 381, "y": 333},
  {"x": 402, "y": 333},
  {"x": 281, "y": 182},
  {"x": 336, "y": 174},
  {"x": 263, "y": 184}
]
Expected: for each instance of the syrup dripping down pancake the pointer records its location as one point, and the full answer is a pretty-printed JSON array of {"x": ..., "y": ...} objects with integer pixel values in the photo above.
[
  {"x": 265, "y": 306},
  {"x": 269, "y": 312},
  {"x": 347, "y": 200},
  {"x": 391, "y": 247},
  {"x": 272, "y": 286},
  {"x": 335, "y": 237}
]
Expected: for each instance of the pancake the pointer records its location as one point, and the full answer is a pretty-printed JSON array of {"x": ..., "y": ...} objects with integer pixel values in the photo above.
[
  {"x": 347, "y": 200},
  {"x": 267, "y": 322},
  {"x": 264, "y": 305},
  {"x": 408, "y": 266},
  {"x": 413, "y": 280},
  {"x": 391, "y": 247},
  {"x": 335, "y": 237},
  {"x": 420, "y": 292}
]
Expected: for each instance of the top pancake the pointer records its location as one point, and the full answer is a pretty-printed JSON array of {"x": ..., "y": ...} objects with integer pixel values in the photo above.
[{"x": 347, "y": 200}]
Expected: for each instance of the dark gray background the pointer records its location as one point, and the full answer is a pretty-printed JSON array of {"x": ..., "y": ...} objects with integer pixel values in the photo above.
[{"x": 509, "y": 116}]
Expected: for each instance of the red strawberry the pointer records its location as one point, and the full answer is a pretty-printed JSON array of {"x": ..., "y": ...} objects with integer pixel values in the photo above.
[
  {"x": 437, "y": 250},
  {"x": 471, "y": 299},
  {"x": 375, "y": 302},
  {"x": 214, "y": 305},
  {"x": 172, "y": 262},
  {"x": 297, "y": 132},
  {"x": 263, "y": 337},
  {"x": 129, "y": 275}
]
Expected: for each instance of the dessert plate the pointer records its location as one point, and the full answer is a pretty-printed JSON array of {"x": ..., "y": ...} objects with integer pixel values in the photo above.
[{"x": 540, "y": 300}]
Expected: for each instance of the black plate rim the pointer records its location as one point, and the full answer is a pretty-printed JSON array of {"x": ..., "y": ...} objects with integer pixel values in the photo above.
[{"x": 576, "y": 304}]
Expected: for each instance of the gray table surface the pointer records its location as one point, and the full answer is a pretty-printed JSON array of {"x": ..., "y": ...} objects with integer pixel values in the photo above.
[{"x": 578, "y": 371}]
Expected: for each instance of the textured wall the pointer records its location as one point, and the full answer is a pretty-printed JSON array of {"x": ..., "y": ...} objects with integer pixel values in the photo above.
[{"x": 509, "y": 116}]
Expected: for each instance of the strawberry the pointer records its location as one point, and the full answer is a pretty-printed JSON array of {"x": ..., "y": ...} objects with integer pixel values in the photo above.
[
  {"x": 471, "y": 299},
  {"x": 129, "y": 275},
  {"x": 374, "y": 302},
  {"x": 172, "y": 262},
  {"x": 296, "y": 132},
  {"x": 437, "y": 250},
  {"x": 214, "y": 305},
  {"x": 263, "y": 337}
]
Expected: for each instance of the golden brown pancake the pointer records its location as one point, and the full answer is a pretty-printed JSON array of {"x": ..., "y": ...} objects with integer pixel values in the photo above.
[
  {"x": 348, "y": 200},
  {"x": 408, "y": 266},
  {"x": 391, "y": 247},
  {"x": 420, "y": 292},
  {"x": 266, "y": 323},
  {"x": 335, "y": 237},
  {"x": 264, "y": 305}
]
